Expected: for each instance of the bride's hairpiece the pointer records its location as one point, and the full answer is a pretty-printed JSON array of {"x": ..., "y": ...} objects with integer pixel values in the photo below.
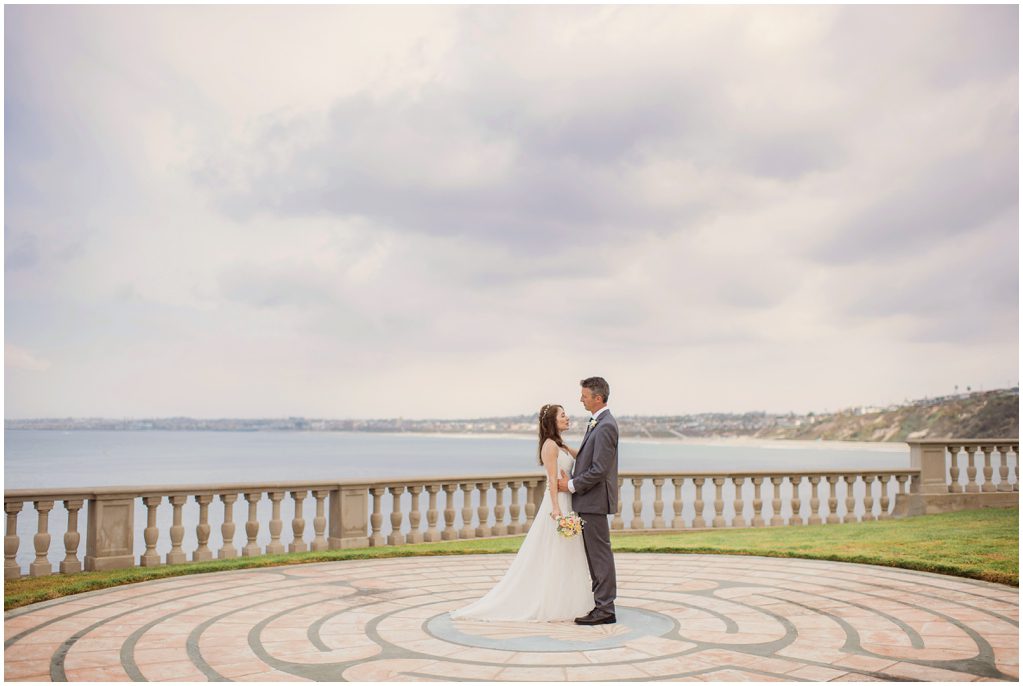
[{"x": 543, "y": 411}]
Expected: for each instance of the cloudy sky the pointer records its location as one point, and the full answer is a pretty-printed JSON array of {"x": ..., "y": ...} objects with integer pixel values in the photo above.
[{"x": 462, "y": 211}]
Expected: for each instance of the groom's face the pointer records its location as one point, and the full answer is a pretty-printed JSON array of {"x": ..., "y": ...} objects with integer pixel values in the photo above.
[{"x": 590, "y": 402}]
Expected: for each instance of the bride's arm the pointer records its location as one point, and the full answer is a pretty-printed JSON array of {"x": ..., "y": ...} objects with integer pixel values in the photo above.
[{"x": 549, "y": 455}]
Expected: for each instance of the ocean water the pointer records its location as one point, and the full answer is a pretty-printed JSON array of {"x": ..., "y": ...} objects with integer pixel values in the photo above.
[{"x": 71, "y": 459}]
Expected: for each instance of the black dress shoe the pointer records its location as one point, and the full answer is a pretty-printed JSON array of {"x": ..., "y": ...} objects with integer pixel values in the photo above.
[
  {"x": 588, "y": 615},
  {"x": 597, "y": 618}
]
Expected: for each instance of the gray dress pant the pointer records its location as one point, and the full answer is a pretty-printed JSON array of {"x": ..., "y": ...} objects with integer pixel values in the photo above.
[{"x": 597, "y": 540}]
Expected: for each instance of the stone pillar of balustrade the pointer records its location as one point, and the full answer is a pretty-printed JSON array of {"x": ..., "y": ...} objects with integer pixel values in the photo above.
[
  {"x": 349, "y": 518},
  {"x": 71, "y": 564},
  {"x": 396, "y": 537},
  {"x": 719, "y": 502},
  {"x": 110, "y": 533},
  {"x": 758, "y": 503},
  {"x": 376, "y": 518},
  {"x": 953, "y": 485},
  {"x": 41, "y": 565},
  {"x": 151, "y": 534},
  {"x": 483, "y": 510},
  {"x": 275, "y": 547},
  {"x": 251, "y": 548},
  {"x": 698, "y": 521},
  {"x": 298, "y": 544},
  {"x": 833, "y": 517},
  {"x": 815, "y": 501},
  {"x": 988, "y": 485},
  {"x": 971, "y": 469},
  {"x": 202, "y": 530},
  {"x": 677, "y": 522},
  {"x": 414, "y": 516},
  {"x": 500, "y": 528},
  {"x": 637, "y": 505},
  {"x": 850, "y": 499},
  {"x": 432, "y": 532},
  {"x": 176, "y": 555},
  {"x": 797, "y": 518},
  {"x": 11, "y": 540},
  {"x": 1003, "y": 469},
  {"x": 530, "y": 503},
  {"x": 885, "y": 479},
  {"x": 320, "y": 541},
  {"x": 450, "y": 533},
  {"x": 738, "y": 505},
  {"x": 776, "y": 518},
  {"x": 514, "y": 509},
  {"x": 467, "y": 531},
  {"x": 227, "y": 528},
  {"x": 868, "y": 498},
  {"x": 658, "y": 522}
]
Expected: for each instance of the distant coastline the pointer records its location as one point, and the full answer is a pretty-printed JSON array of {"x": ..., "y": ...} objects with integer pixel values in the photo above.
[{"x": 984, "y": 414}]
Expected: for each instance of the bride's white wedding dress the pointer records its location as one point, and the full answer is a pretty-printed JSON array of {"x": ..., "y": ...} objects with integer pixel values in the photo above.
[{"x": 548, "y": 580}]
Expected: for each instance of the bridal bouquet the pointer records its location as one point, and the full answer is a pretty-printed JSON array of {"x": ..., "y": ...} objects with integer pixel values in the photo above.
[{"x": 569, "y": 525}]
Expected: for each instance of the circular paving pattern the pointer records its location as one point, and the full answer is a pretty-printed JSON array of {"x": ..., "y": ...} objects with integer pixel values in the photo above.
[{"x": 681, "y": 617}]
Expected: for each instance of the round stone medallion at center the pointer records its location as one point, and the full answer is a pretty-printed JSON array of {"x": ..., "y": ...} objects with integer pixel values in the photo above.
[{"x": 550, "y": 637}]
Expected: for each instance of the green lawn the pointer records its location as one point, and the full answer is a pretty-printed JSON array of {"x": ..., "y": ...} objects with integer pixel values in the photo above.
[{"x": 979, "y": 544}]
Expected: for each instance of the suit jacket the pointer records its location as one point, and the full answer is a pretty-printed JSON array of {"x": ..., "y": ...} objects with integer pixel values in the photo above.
[{"x": 595, "y": 476}]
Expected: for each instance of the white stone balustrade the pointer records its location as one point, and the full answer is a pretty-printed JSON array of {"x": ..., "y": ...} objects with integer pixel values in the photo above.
[{"x": 178, "y": 523}]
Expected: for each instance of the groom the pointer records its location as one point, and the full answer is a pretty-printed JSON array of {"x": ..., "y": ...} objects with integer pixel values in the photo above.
[{"x": 594, "y": 485}]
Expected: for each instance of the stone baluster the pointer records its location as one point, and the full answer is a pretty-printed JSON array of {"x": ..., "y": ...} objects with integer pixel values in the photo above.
[
  {"x": 396, "y": 537},
  {"x": 677, "y": 522},
  {"x": 432, "y": 533},
  {"x": 903, "y": 480},
  {"x": 637, "y": 505},
  {"x": 719, "y": 502},
  {"x": 1003, "y": 469},
  {"x": 320, "y": 541},
  {"x": 227, "y": 550},
  {"x": 376, "y": 518},
  {"x": 797, "y": 518},
  {"x": 202, "y": 530},
  {"x": 868, "y": 498},
  {"x": 514, "y": 509},
  {"x": 776, "y": 518},
  {"x": 758, "y": 504},
  {"x": 449, "y": 533},
  {"x": 698, "y": 520},
  {"x": 1015, "y": 449},
  {"x": 739, "y": 505},
  {"x": 815, "y": 501},
  {"x": 467, "y": 531},
  {"x": 177, "y": 556},
  {"x": 151, "y": 534},
  {"x": 414, "y": 516},
  {"x": 500, "y": 528},
  {"x": 530, "y": 503},
  {"x": 833, "y": 517},
  {"x": 886, "y": 500},
  {"x": 658, "y": 522},
  {"x": 251, "y": 548},
  {"x": 989, "y": 482},
  {"x": 275, "y": 547},
  {"x": 71, "y": 564},
  {"x": 12, "y": 541},
  {"x": 618, "y": 522},
  {"x": 954, "y": 486},
  {"x": 41, "y": 566},
  {"x": 483, "y": 510},
  {"x": 298, "y": 544},
  {"x": 850, "y": 499},
  {"x": 972, "y": 486}
]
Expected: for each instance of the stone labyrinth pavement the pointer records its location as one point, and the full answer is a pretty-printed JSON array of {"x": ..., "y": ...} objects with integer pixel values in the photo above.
[{"x": 681, "y": 617}]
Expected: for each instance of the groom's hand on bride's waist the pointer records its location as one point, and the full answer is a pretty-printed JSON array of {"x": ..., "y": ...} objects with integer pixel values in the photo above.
[{"x": 563, "y": 482}]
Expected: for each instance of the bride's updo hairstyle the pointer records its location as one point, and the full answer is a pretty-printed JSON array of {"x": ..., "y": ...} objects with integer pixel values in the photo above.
[{"x": 548, "y": 428}]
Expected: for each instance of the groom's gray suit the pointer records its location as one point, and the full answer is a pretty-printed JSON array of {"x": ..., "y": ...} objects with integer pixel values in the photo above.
[{"x": 595, "y": 480}]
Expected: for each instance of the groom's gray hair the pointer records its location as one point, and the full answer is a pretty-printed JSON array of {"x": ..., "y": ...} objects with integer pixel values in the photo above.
[{"x": 597, "y": 386}]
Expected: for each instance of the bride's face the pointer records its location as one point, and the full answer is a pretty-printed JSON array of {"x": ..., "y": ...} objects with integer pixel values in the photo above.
[{"x": 562, "y": 420}]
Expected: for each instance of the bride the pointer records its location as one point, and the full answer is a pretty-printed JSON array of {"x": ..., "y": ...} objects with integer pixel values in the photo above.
[{"x": 549, "y": 579}]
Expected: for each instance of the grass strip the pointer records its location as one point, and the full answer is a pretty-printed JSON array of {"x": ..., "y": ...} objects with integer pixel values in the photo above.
[{"x": 977, "y": 544}]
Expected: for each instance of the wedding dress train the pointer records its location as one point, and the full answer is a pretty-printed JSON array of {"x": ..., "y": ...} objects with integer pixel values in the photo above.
[{"x": 549, "y": 579}]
